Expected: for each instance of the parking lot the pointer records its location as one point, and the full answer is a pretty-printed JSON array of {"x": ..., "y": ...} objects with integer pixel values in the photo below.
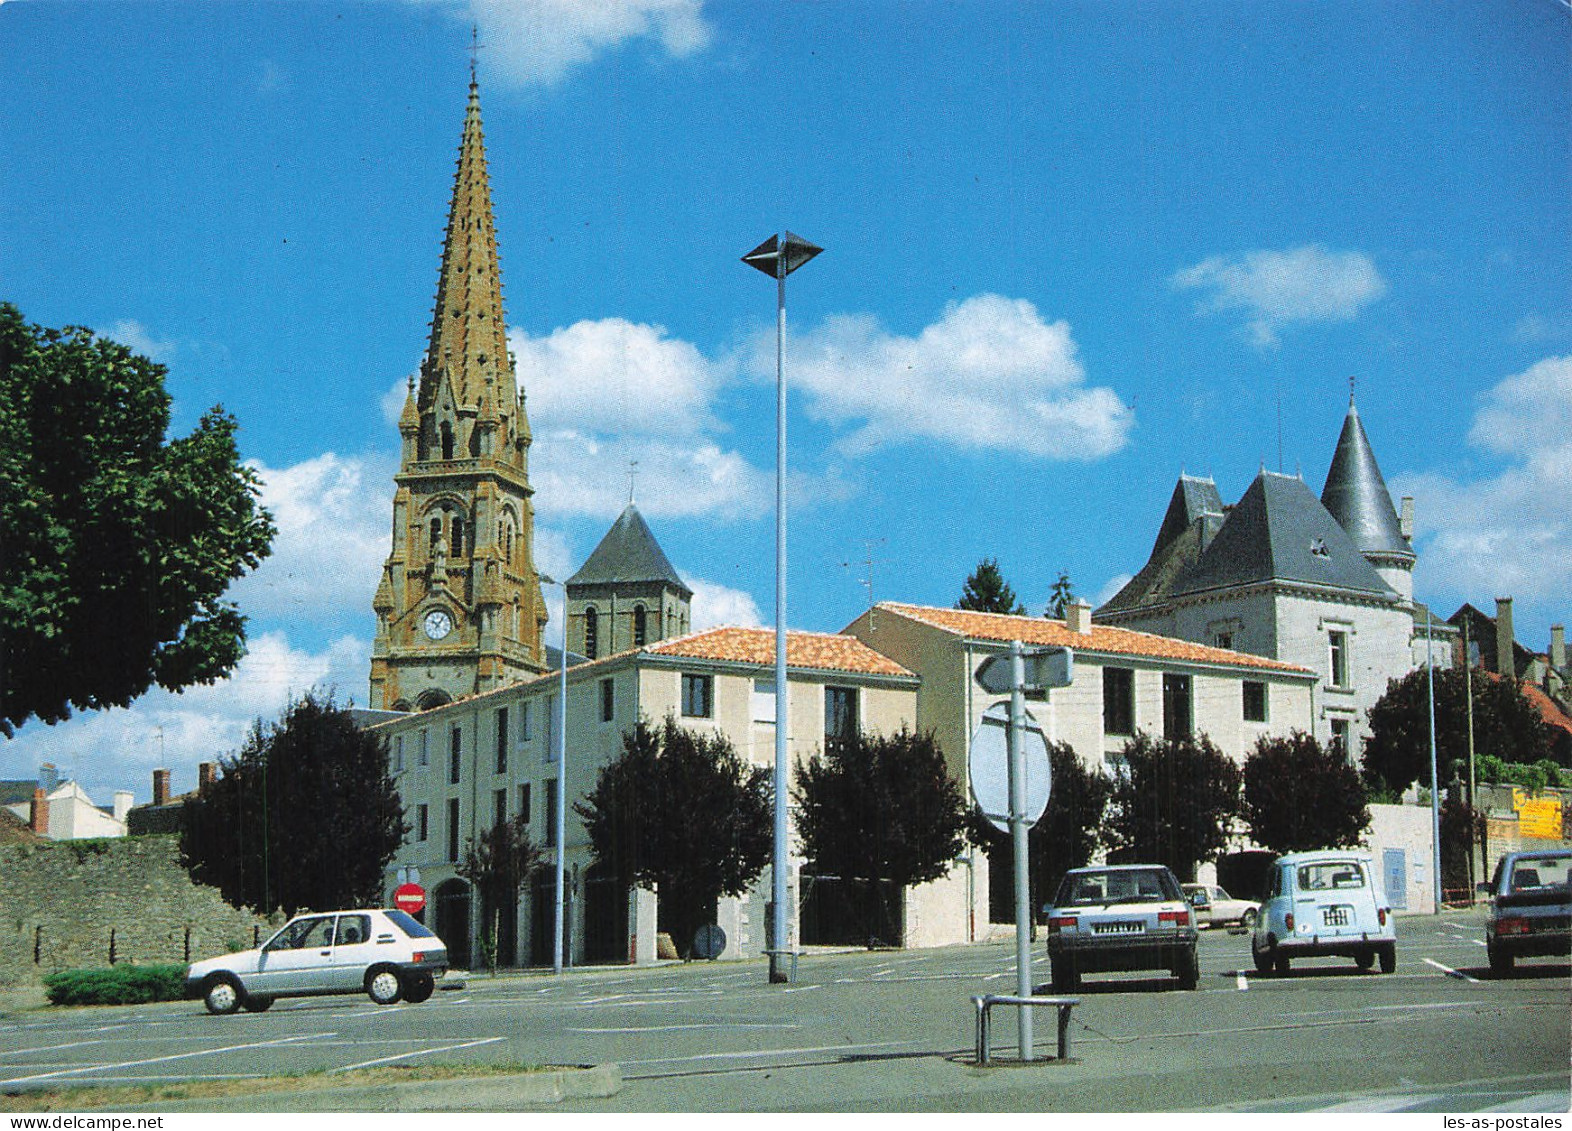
[{"x": 894, "y": 1031}]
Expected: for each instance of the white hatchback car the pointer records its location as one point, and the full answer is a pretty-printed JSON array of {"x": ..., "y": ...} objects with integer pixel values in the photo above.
[
  {"x": 1328, "y": 902},
  {"x": 384, "y": 953}
]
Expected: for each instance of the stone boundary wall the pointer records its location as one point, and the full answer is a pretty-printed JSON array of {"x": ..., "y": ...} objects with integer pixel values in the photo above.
[{"x": 75, "y": 904}]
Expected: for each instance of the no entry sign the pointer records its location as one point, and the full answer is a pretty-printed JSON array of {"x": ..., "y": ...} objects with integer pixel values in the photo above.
[{"x": 410, "y": 898}]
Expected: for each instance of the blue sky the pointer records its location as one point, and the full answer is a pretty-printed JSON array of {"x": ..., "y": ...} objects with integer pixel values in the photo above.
[{"x": 1071, "y": 251}]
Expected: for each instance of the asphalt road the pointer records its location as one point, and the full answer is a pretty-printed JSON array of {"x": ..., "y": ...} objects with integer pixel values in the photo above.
[{"x": 895, "y": 1031}]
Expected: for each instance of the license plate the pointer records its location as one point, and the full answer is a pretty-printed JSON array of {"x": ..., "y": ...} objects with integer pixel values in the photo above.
[
  {"x": 1334, "y": 916},
  {"x": 1121, "y": 928}
]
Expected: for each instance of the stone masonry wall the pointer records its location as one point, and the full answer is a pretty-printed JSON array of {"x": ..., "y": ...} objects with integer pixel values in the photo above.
[{"x": 67, "y": 905}]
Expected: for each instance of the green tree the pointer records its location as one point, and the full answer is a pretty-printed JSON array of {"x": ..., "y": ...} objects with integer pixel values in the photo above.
[
  {"x": 1066, "y": 836},
  {"x": 1174, "y": 803},
  {"x": 986, "y": 591},
  {"x": 1462, "y": 827},
  {"x": 1299, "y": 795},
  {"x": 118, "y": 544},
  {"x": 305, "y": 816},
  {"x": 498, "y": 863},
  {"x": 682, "y": 813},
  {"x": 881, "y": 812},
  {"x": 1397, "y": 752},
  {"x": 1061, "y": 597}
]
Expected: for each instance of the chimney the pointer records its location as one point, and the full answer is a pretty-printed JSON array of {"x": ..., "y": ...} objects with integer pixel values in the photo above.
[
  {"x": 1078, "y": 618},
  {"x": 1558, "y": 647},
  {"x": 1506, "y": 654},
  {"x": 48, "y": 776},
  {"x": 1405, "y": 522},
  {"x": 160, "y": 787},
  {"x": 123, "y": 801},
  {"x": 38, "y": 814},
  {"x": 207, "y": 774}
]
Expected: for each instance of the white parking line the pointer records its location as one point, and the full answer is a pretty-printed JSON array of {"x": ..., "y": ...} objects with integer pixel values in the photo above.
[
  {"x": 1239, "y": 980},
  {"x": 418, "y": 1052},
  {"x": 694, "y": 1025},
  {"x": 1451, "y": 973},
  {"x": 164, "y": 1059},
  {"x": 768, "y": 1052}
]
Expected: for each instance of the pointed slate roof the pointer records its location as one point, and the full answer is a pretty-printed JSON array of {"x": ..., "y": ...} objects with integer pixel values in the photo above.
[
  {"x": 1279, "y": 531},
  {"x": 1195, "y": 514},
  {"x": 1356, "y": 495},
  {"x": 628, "y": 554},
  {"x": 1193, "y": 498}
]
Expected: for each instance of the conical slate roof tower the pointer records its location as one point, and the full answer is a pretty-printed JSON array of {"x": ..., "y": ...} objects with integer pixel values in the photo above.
[{"x": 1356, "y": 495}]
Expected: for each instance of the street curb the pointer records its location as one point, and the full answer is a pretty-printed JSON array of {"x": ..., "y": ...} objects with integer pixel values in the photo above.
[{"x": 469, "y": 1093}]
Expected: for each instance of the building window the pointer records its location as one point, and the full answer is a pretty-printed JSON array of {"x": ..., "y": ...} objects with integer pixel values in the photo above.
[
  {"x": 698, "y": 693},
  {"x": 551, "y": 813},
  {"x": 1337, "y": 666},
  {"x": 425, "y": 748},
  {"x": 549, "y": 729},
  {"x": 524, "y": 723},
  {"x": 1118, "y": 701},
  {"x": 591, "y": 633},
  {"x": 1177, "y": 718},
  {"x": 764, "y": 700},
  {"x": 398, "y": 754},
  {"x": 447, "y": 440},
  {"x": 502, "y": 740},
  {"x": 608, "y": 700},
  {"x": 640, "y": 626},
  {"x": 524, "y": 803},
  {"x": 840, "y": 716},
  {"x": 1254, "y": 701},
  {"x": 1225, "y": 640},
  {"x": 458, "y": 537},
  {"x": 453, "y": 828},
  {"x": 422, "y": 822},
  {"x": 1340, "y": 738},
  {"x": 436, "y": 534},
  {"x": 500, "y": 800},
  {"x": 455, "y": 755}
]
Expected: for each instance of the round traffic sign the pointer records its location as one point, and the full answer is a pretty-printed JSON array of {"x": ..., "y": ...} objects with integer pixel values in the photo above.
[
  {"x": 410, "y": 898},
  {"x": 988, "y": 767}
]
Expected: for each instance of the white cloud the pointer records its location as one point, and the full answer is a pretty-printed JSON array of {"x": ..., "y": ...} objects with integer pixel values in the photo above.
[
  {"x": 134, "y": 335},
  {"x": 1509, "y": 533},
  {"x": 1277, "y": 289},
  {"x": 615, "y": 376},
  {"x": 715, "y": 605},
  {"x": 538, "y": 42},
  {"x": 990, "y": 374},
  {"x": 576, "y": 473},
  {"x": 334, "y": 533}
]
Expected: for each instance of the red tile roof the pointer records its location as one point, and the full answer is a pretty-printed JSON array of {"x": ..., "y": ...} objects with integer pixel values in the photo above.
[
  {"x": 814, "y": 650},
  {"x": 1102, "y": 638},
  {"x": 1547, "y": 707}
]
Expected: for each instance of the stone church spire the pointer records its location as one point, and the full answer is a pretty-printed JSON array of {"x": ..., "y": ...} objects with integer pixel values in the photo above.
[{"x": 459, "y": 607}]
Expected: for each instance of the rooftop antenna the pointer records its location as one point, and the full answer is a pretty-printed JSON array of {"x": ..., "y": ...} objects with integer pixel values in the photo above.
[
  {"x": 1278, "y": 381},
  {"x": 867, "y": 562}
]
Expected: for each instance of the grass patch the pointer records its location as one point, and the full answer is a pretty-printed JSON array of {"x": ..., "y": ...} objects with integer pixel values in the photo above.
[
  {"x": 117, "y": 985},
  {"x": 136, "y": 1095}
]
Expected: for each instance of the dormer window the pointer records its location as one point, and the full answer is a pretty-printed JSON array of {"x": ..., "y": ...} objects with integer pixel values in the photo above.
[{"x": 1318, "y": 549}]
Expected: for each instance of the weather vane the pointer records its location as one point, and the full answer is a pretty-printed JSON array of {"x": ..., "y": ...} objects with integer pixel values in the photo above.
[{"x": 474, "y": 50}]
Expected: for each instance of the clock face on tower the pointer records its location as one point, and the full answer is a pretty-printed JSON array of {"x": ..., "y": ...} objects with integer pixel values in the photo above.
[{"x": 438, "y": 624}]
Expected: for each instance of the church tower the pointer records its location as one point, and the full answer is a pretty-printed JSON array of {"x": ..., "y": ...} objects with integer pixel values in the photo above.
[
  {"x": 1356, "y": 495},
  {"x": 459, "y": 607},
  {"x": 627, "y": 595}
]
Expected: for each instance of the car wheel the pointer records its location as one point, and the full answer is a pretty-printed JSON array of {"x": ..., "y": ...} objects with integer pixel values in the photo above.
[
  {"x": 1263, "y": 959},
  {"x": 383, "y": 985},
  {"x": 1066, "y": 978},
  {"x": 1364, "y": 959},
  {"x": 257, "y": 1004},
  {"x": 1500, "y": 962},
  {"x": 1388, "y": 958},
  {"x": 1189, "y": 972},
  {"x": 1279, "y": 962},
  {"x": 419, "y": 987},
  {"x": 222, "y": 994},
  {"x": 1247, "y": 920}
]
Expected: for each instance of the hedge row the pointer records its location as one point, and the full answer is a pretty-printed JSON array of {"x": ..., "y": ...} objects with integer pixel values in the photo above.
[{"x": 117, "y": 985}]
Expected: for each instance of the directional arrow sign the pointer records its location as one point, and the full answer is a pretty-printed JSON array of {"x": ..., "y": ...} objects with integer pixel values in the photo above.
[
  {"x": 988, "y": 768},
  {"x": 1045, "y": 668}
]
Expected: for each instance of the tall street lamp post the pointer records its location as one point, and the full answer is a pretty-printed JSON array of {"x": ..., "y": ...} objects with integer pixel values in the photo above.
[
  {"x": 780, "y": 256},
  {"x": 559, "y": 817}
]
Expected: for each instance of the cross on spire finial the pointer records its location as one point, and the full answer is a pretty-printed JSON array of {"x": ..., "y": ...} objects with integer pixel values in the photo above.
[
  {"x": 633, "y": 475},
  {"x": 474, "y": 51},
  {"x": 1350, "y": 390}
]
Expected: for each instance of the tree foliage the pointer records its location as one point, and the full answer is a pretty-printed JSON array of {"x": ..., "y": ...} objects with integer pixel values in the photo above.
[
  {"x": 986, "y": 591},
  {"x": 1061, "y": 597},
  {"x": 1175, "y": 802},
  {"x": 118, "y": 545},
  {"x": 498, "y": 863},
  {"x": 880, "y": 808},
  {"x": 1397, "y": 752},
  {"x": 1299, "y": 795},
  {"x": 1067, "y": 835},
  {"x": 304, "y": 817},
  {"x": 682, "y": 813}
]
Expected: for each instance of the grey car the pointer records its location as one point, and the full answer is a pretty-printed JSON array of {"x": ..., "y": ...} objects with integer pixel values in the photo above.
[
  {"x": 1530, "y": 908},
  {"x": 1121, "y": 917}
]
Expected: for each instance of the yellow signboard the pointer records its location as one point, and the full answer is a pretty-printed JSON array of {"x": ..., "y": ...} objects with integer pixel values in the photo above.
[{"x": 1538, "y": 818}]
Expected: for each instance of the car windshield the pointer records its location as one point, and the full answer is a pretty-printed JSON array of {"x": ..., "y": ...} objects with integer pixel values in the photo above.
[
  {"x": 1531, "y": 873},
  {"x": 411, "y": 926},
  {"x": 1330, "y": 874},
  {"x": 1136, "y": 885}
]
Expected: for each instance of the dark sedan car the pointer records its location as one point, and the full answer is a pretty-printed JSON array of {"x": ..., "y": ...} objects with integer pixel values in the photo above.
[{"x": 1530, "y": 908}]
